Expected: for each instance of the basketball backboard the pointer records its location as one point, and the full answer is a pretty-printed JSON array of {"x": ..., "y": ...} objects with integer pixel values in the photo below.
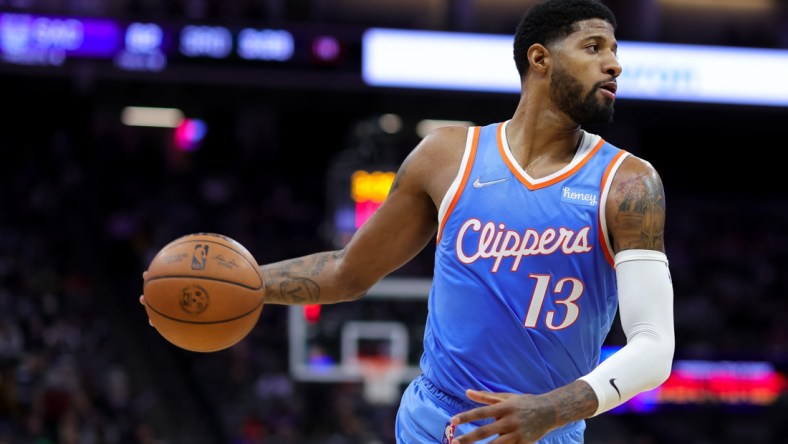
[{"x": 342, "y": 342}]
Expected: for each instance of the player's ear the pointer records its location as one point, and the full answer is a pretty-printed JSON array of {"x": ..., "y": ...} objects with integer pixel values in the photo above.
[{"x": 538, "y": 58}]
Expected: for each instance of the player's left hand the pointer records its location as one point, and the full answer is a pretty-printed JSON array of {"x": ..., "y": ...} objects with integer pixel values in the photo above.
[
  {"x": 142, "y": 296},
  {"x": 518, "y": 419}
]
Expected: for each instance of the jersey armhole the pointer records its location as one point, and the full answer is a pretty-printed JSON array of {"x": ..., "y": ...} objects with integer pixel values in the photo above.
[
  {"x": 607, "y": 182},
  {"x": 458, "y": 184}
]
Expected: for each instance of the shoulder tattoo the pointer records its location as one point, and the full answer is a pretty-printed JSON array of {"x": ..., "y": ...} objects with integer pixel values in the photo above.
[{"x": 639, "y": 220}]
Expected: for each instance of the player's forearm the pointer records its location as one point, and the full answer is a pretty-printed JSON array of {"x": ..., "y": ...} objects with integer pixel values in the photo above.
[
  {"x": 306, "y": 280},
  {"x": 646, "y": 311},
  {"x": 571, "y": 403}
]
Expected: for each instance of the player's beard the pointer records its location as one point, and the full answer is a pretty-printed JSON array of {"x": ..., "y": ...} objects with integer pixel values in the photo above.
[{"x": 567, "y": 92}]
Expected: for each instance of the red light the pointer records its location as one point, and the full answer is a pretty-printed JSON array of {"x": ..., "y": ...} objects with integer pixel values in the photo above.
[
  {"x": 312, "y": 313},
  {"x": 189, "y": 133},
  {"x": 364, "y": 211}
]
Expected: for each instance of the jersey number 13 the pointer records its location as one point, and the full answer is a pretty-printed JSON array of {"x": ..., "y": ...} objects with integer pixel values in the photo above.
[{"x": 551, "y": 320}]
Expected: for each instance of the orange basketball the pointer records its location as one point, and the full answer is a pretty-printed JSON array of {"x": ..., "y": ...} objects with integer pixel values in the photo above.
[{"x": 204, "y": 292}]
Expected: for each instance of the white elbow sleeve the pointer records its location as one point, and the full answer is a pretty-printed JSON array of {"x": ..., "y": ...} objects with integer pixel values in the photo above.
[{"x": 645, "y": 295}]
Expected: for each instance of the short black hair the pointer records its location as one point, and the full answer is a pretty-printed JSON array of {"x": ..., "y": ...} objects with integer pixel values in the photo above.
[{"x": 551, "y": 20}]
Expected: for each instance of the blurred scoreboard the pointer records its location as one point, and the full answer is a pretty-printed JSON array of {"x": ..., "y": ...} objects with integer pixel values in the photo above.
[
  {"x": 377, "y": 57},
  {"x": 39, "y": 40},
  {"x": 355, "y": 193}
]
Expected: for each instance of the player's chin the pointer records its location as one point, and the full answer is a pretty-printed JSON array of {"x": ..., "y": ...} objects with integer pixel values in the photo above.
[
  {"x": 606, "y": 104},
  {"x": 608, "y": 110},
  {"x": 599, "y": 115}
]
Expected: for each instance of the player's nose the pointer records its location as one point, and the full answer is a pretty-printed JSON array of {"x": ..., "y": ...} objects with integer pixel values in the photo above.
[{"x": 611, "y": 65}]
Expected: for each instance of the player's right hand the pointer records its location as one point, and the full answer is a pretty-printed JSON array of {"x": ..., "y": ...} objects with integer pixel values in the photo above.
[{"x": 518, "y": 419}]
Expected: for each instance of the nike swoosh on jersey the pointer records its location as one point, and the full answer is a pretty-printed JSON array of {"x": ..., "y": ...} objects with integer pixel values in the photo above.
[
  {"x": 613, "y": 383},
  {"x": 479, "y": 184}
]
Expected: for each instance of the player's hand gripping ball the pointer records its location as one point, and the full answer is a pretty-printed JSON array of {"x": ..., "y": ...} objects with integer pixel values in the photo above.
[{"x": 203, "y": 292}]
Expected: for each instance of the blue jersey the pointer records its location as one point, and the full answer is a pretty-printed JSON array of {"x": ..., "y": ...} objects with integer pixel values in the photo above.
[{"x": 524, "y": 286}]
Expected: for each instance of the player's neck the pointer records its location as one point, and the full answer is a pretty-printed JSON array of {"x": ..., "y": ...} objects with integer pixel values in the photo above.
[{"x": 541, "y": 139}]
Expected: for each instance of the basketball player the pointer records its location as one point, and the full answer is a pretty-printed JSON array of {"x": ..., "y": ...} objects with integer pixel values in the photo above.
[{"x": 543, "y": 231}]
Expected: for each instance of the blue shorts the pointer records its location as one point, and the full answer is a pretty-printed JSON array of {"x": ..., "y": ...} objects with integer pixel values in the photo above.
[{"x": 424, "y": 413}]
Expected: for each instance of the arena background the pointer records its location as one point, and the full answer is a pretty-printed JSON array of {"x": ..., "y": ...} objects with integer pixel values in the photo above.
[{"x": 85, "y": 201}]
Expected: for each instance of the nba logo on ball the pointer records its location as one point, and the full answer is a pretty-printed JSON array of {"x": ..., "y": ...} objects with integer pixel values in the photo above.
[{"x": 199, "y": 257}]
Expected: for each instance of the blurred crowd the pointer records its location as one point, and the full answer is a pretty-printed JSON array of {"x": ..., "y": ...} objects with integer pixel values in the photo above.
[
  {"x": 85, "y": 206},
  {"x": 62, "y": 373}
]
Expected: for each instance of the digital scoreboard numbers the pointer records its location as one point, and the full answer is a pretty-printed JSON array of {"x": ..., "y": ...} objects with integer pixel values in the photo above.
[
  {"x": 355, "y": 194},
  {"x": 266, "y": 44},
  {"x": 368, "y": 190},
  {"x": 144, "y": 48},
  {"x": 27, "y": 39},
  {"x": 238, "y": 45},
  {"x": 215, "y": 42}
]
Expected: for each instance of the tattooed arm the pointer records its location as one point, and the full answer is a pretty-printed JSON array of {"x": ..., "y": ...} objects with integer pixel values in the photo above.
[
  {"x": 636, "y": 220},
  {"x": 636, "y": 208},
  {"x": 396, "y": 232},
  {"x": 302, "y": 280}
]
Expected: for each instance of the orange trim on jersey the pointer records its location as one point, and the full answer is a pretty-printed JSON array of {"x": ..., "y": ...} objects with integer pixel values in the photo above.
[
  {"x": 535, "y": 186},
  {"x": 463, "y": 182},
  {"x": 603, "y": 236}
]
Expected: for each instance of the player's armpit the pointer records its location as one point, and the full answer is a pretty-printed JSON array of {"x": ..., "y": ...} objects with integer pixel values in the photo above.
[{"x": 635, "y": 209}]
